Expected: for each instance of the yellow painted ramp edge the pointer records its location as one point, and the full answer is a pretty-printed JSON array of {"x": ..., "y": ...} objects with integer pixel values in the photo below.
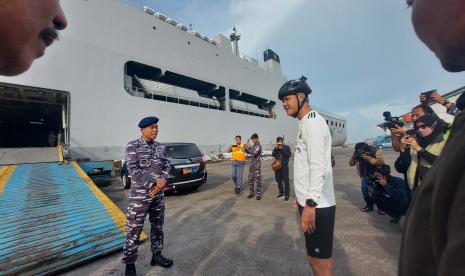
[
  {"x": 60, "y": 153},
  {"x": 5, "y": 174},
  {"x": 118, "y": 217}
]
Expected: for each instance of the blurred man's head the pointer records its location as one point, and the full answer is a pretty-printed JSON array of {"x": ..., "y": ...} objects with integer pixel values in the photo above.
[
  {"x": 27, "y": 27},
  {"x": 238, "y": 139},
  {"x": 362, "y": 146},
  {"x": 382, "y": 174},
  {"x": 254, "y": 138},
  {"x": 279, "y": 142},
  {"x": 440, "y": 24},
  {"x": 421, "y": 110}
]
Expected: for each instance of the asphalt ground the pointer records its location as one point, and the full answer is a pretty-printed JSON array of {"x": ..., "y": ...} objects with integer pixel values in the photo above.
[{"x": 215, "y": 232}]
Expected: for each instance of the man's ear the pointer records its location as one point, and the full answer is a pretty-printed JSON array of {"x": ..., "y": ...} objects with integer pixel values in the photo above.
[{"x": 301, "y": 97}]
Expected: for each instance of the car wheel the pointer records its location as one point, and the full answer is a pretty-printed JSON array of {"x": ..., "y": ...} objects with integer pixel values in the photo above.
[{"x": 126, "y": 181}]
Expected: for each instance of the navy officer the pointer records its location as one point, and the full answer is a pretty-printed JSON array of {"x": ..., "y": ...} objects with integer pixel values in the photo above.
[{"x": 148, "y": 166}]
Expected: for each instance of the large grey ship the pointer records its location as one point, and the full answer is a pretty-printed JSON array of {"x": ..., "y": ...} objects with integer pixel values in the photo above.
[{"x": 116, "y": 64}]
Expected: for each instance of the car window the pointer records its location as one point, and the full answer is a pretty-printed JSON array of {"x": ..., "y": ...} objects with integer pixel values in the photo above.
[{"x": 183, "y": 151}]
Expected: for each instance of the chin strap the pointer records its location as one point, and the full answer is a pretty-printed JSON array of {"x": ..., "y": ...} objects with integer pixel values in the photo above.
[{"x": 301, "y": 104}]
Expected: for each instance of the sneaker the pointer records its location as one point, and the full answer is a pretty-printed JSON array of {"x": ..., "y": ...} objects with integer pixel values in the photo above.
[
  {"x": 280, "y": 196},
  {"x": 286, "y": 198},
  {"x": 381, "y": 212},
  {"x": 250, "y": 195},
  {"x": 237, "y": 191},
  {"x": 366, "y": 209},
  {"x": 259, "y": 197}
]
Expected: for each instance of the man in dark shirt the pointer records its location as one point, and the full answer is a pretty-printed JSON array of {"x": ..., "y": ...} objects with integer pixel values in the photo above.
[
  {"x": 255, "y": 167},
  {"x": 390, "y": 193},
  {"x": 433, "y": 241},
  {"x": 282, "y": 153}
]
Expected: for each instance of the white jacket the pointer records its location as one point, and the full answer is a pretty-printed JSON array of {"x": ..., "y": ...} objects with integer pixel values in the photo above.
[{"x": 313, "y": 172}]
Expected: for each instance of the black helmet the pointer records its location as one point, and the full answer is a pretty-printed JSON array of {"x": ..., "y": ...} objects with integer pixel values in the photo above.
[{"x": 293, "y": 87}]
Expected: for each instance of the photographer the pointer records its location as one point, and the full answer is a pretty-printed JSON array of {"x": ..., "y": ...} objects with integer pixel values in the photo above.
[
  {"x": 389, "y": 193},
  {"x": 366, "y": 158},
  {"x": 398, "y": 132},
  {"x": 282, "y": 153},
  {"x": 433, "y": 96},
  {"x": 425, "y": 147}
]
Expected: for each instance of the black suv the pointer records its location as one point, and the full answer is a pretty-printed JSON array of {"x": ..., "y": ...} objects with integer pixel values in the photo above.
[{"x": 188, "y": 167}]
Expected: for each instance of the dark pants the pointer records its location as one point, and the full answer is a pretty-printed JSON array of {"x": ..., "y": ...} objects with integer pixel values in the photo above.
[
  {"x": 139, "y": 205},
  {"x": 282, "y": 177},
  {"x": 365, "y": 188},
  {"x": 255, "y": 176},
  {"x": 393, "y": 207}
]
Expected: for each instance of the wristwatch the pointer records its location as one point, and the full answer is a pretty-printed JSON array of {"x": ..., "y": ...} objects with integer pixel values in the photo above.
[{"x": 311, "y": 203}]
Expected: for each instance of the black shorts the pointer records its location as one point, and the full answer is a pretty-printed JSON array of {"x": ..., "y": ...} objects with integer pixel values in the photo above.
[{"x": 320, "y": 243}]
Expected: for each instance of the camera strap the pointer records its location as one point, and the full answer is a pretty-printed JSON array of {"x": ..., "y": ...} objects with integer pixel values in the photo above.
[
  {"x": 417, "y": 176},
  {"x": 300, "y": 105}
]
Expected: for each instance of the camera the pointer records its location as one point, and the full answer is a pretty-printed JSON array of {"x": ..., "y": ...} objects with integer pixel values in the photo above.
[
  {"x": 390, "y": 121},
  {"x": 372, "y": 178},
  {"x": 358, "y": 153},
  {"x": 411, "y": 133},
  {"x": 427, "y": 95}
]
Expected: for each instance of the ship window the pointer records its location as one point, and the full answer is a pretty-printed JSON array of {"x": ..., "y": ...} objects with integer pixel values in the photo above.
[
  {"x": 327, "y": 122},
  {"x": 331, "y": 123},
  {"x": 151, "y": 83},
  {"x": 248, "y": 104}
]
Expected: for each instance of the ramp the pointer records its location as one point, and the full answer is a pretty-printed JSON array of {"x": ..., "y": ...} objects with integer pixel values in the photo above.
[
  {"x": 53, "y": 217},
  {"x": 28, "y": 155}
]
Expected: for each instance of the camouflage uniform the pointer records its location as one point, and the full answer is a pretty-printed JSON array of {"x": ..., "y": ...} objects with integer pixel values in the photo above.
[
  {"x": 255, "y": 174},
  {"x": 146, "y": 162}
]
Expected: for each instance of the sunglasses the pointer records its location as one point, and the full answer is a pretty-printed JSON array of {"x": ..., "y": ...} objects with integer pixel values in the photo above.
[
  {"x": 420, "y": 127},
  {"x": 409, "y": 3}
]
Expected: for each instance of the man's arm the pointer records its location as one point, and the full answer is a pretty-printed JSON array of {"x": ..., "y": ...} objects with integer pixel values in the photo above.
[
  {"x": 166, "y": 166},
  {"x": 275, "y": 152},
  {"x": 352, "y": 161},
  {"x": 257, "y": 151},
  {"x": 452, "y": 109},
  {"x": 137, "y": 174},
  {"x": 395, "y": 187},
  {"x": 377, "y": 160},
  {"x": 396, "y": 144},
  {"x": 316, "y": 154},
  {"x": 286, "y": 151}
]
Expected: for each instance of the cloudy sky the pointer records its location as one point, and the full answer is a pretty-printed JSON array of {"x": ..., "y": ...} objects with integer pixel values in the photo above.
[{"x": 361, "y": 57}]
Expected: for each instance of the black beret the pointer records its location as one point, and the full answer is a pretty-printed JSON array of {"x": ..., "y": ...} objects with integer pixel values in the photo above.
[
  {"x": 147, "y": 121},
  {"x": 254, "y": 136}
]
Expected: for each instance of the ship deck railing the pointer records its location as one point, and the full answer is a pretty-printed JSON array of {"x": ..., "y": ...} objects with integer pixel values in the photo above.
[{"x": 173, "y": 98}]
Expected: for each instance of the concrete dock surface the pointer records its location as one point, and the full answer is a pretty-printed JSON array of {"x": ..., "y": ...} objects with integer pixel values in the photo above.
[{"x": 215, "y": 232}]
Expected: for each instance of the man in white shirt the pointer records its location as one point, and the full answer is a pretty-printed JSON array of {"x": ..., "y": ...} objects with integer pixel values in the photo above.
[{"x": 313, "y": 176}]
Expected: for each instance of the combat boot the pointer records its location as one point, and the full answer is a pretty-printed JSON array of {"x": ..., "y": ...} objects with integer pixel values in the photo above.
[
  {"x": 130, "y": 270},
  {"x": 159, "y": 259}
]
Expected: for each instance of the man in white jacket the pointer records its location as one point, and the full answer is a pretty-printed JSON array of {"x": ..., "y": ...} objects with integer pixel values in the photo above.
[{"x": 313, "y": 177}]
